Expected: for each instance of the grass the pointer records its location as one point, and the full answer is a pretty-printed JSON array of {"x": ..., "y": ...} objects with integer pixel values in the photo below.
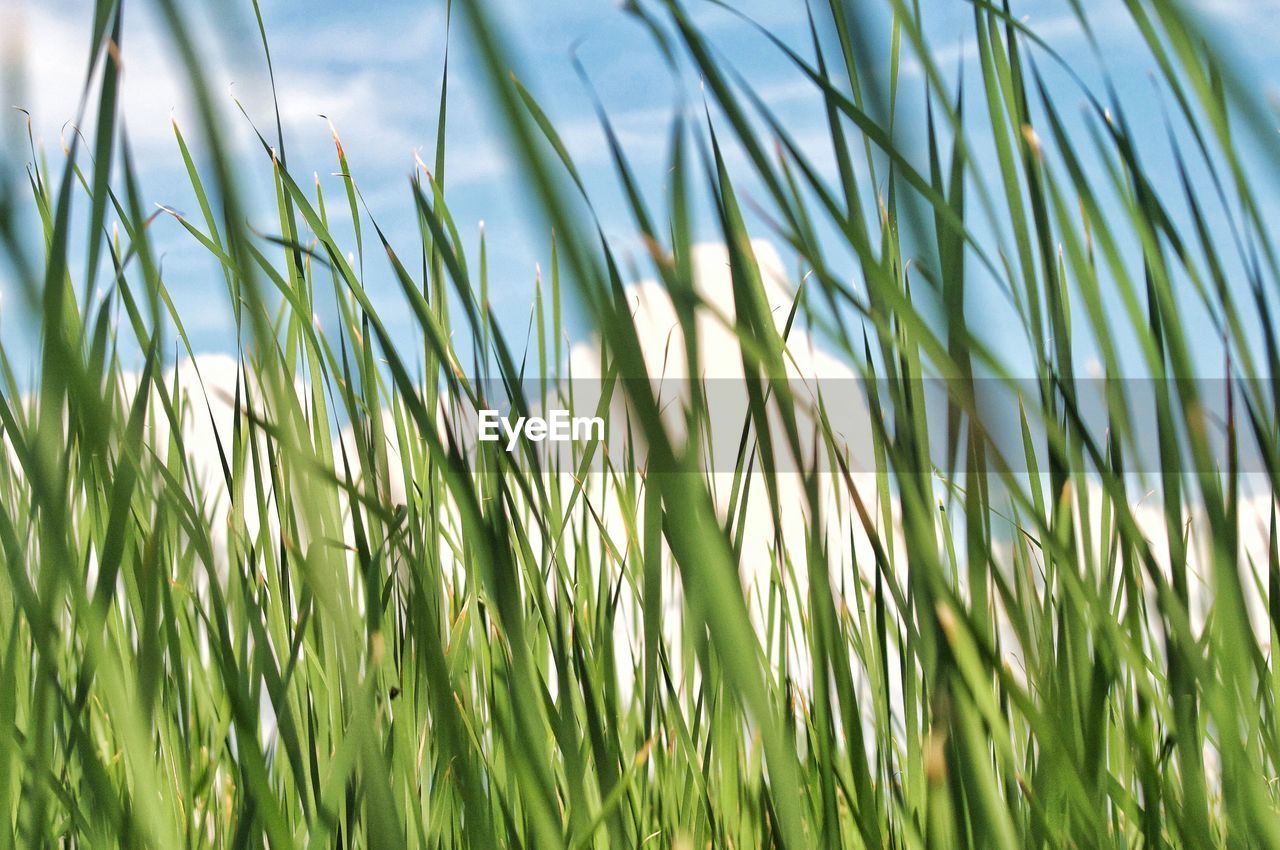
[{"x": 291, "y": 604}]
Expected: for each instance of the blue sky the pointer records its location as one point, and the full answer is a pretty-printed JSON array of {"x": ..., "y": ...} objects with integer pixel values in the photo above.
[{"x": 373, "y": 69}]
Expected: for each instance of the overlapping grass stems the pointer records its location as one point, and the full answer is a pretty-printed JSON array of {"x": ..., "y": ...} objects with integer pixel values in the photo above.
[{"x": 442, "y": 672}]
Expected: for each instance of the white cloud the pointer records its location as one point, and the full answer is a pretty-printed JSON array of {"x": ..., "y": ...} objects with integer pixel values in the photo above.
[
  {"x": 208, "y": 416},
  {"x": 46, "y": 47}
]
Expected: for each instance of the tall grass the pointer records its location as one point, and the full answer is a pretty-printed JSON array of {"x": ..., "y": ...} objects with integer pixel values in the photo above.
[{"x": 283, "y": 598}]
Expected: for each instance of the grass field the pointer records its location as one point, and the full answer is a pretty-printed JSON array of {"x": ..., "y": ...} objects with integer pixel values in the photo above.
[{"x": 282, "y": 596}]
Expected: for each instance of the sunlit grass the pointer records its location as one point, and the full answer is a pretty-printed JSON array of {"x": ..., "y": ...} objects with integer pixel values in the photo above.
[{"x": 283, "y": 596}]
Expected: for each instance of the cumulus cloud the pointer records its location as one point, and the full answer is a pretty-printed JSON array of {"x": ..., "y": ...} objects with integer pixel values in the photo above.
[
  {"x": 209, "y": 385},
  {"x": 360, "y": 83},
  {"x": 37, "y": 49}
]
